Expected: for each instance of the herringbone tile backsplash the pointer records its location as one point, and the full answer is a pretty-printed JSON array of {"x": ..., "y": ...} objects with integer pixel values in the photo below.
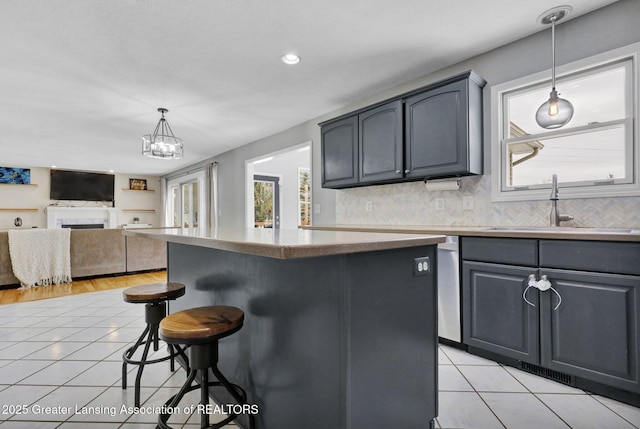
[{"x": 412, "y": 204}]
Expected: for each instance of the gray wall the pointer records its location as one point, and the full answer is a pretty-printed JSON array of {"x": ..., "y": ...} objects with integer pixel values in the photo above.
[{"x": 602, "y": 30}]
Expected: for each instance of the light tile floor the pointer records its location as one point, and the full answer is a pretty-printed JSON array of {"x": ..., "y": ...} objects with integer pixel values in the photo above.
[
  {"x": 66, "y": 352},
  {"x": 61, "y": 363},
  {"x": 480, "y": 394}
]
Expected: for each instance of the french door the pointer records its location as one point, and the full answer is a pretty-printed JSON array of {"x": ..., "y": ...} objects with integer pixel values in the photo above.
[{"x": 186, "y": 201}]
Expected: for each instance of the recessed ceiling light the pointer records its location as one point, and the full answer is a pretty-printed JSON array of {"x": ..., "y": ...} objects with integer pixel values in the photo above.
[{"x": 290, "y": 59}]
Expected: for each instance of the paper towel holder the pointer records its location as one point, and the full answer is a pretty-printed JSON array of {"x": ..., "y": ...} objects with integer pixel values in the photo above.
[{"x": 452, "y": 184}]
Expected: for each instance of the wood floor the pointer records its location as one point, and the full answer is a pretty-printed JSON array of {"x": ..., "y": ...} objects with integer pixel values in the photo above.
[{"x": 10, "y": 296}]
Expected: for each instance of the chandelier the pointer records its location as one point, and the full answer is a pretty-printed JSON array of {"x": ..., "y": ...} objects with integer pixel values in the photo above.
[{"x": 162, "y": 144}]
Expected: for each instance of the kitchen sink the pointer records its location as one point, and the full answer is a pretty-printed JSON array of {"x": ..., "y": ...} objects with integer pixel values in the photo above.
[{"x": 564, "y": 228}]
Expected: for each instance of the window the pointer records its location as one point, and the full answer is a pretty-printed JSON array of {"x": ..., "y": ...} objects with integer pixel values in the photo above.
[
  {"x": 304, "y": 196},
  {"x": 594, "y": 155}
]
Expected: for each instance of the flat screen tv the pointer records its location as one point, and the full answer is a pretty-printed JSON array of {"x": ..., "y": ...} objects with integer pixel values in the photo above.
[{"x": 81, "y": 186}]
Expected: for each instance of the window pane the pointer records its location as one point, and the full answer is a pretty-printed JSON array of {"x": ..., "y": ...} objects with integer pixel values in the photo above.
[
  {"x": 597, "y": 155},
  {"x": 304, "y": 197},
  {"x": 175, "y": 204},
  {"x": 597, "y": 96},
  {"x": 186, "y": 205},
  {"x": 194, "y": 203}
]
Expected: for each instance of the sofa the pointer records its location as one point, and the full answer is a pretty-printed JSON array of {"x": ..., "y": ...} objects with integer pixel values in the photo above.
[{"x": 96, "y": 252}]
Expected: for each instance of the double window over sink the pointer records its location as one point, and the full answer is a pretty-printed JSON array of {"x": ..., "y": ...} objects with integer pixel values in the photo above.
[{"x": 594, "y": 155}]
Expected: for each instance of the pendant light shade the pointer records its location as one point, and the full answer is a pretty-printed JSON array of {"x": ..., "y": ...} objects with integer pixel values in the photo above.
[
  {"x": 162, "y": 144},
  {"x": 555, "y": 112}
]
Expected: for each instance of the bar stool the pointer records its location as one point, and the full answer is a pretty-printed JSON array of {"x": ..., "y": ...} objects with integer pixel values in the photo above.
[
  {"x": 201, "y": 328},
  {"x": 155, "y": 297}
]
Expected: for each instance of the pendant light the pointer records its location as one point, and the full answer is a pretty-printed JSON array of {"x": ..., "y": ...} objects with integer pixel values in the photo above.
[
  {"x": 162, "y": 144},
  {"x": 556, "y": 111}
]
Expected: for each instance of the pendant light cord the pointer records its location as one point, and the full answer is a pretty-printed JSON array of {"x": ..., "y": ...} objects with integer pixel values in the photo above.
[{"x": 553, "y": 52}]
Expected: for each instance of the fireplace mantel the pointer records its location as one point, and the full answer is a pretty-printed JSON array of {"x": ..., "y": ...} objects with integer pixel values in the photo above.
[{"x": 59, "y": 216}]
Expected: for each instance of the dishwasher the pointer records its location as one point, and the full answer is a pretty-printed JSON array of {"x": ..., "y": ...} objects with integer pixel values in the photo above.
[{"x": 449, "y": 323}]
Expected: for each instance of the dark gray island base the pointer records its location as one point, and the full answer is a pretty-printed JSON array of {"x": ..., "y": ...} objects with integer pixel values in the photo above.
[{"x": 344, "y": 340}]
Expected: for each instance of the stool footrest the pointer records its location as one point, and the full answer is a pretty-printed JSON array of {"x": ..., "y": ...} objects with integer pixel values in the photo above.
[{"x": 236, "y": 391}]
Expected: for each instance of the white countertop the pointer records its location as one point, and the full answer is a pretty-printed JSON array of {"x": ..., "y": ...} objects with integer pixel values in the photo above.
[
  {"x": 289, "y": 243},
  {"x": 555, "y": 233}
]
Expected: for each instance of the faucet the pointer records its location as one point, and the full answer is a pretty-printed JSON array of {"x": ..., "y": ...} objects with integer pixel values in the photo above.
[{"x": 555, "y": 217}]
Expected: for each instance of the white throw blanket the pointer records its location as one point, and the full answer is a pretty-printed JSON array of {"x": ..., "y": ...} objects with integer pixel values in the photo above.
[{"x": 40, "y": 256}]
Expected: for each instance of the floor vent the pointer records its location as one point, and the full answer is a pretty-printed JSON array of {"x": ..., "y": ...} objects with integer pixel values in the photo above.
[{"x": 547, "y": 373}]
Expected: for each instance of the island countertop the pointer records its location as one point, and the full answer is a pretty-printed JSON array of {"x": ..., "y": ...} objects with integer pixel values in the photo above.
[{"x": 288, "y": 243}]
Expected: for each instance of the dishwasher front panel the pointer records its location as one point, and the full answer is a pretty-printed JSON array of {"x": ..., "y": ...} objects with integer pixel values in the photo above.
[{"x": 449, "y": 321}]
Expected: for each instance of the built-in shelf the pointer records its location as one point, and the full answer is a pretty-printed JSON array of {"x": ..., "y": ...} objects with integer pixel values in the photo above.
[
  {"x": 18, "y": 184},
  {"x": 18, "y": 210},
  {"x": 139, "y": 190},
  {"x": 138, "y": 210}
]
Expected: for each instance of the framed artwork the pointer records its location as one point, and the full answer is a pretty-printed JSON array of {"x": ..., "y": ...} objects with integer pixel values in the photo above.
[
  {"x": 138, "y": 184},
  {"x": 15, "y": 176}
]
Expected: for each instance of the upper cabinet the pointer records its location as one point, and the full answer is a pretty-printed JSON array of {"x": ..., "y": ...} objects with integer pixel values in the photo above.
[
  {"x": 340, "y": 153},
  {"x": 439, "y": 126},
  {"x": 432, "y": 132},
  {"x": 380, "y": 143}
]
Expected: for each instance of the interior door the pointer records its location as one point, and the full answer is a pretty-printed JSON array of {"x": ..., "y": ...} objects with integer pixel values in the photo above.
[{"x": 266, "y": 201}]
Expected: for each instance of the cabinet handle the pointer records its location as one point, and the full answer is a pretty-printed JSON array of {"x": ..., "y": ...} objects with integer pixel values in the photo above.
[
  {"x": 407, "y": 171},
  {"x": 398, "y": 171}
]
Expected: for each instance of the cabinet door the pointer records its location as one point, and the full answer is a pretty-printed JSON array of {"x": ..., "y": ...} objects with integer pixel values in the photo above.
[
  {"x": 436, "y": 127},
  {"x": 380, "y": 143},
  {"x": 496, "y": 318},
  {"x": 339, "y": 146},
  {"x": 594, "y": 332}
]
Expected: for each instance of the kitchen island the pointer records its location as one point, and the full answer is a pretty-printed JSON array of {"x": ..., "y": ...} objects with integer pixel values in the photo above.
[{"x": 340, "y": 327}]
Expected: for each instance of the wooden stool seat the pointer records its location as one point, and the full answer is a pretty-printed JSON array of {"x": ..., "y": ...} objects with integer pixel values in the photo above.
[
  {"x": 201, "y": 325},
  {"x": 153, "y": 292}
]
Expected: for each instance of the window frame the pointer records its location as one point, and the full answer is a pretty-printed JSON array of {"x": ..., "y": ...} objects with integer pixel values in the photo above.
[{"x": 500, "y": 191}]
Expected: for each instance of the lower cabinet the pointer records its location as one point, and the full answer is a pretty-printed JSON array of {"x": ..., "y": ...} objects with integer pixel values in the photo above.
[
  {"x": 585, "y": 325},
  {"x": 594, "y": 332},
  {"x": 496, "y": 318}
]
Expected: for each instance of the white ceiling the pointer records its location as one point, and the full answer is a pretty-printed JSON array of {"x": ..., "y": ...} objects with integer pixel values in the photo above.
[{"x": 81, "y": 80}]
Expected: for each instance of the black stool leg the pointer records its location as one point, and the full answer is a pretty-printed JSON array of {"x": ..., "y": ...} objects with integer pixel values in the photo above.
[
  {"x": 175, "y": 399},
  {"x": 127, "y": 355},
  {"x": 204, "y": 397},
  {"x": 143, "y": 360}
]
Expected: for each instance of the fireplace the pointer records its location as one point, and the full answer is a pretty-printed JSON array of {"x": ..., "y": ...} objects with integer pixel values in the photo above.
[
  {"x": 84, "y": 226},
  {"x": 81, "y": 217}
]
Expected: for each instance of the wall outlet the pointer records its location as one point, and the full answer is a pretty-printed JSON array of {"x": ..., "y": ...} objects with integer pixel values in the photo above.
[
  {"x": 439, "y": 204},
  {"x": 421, "y": 266},
  {"x": 316, "y": 209},
  {"x": 467, "y": 202},
  {"x": 369, "y": 206}
]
